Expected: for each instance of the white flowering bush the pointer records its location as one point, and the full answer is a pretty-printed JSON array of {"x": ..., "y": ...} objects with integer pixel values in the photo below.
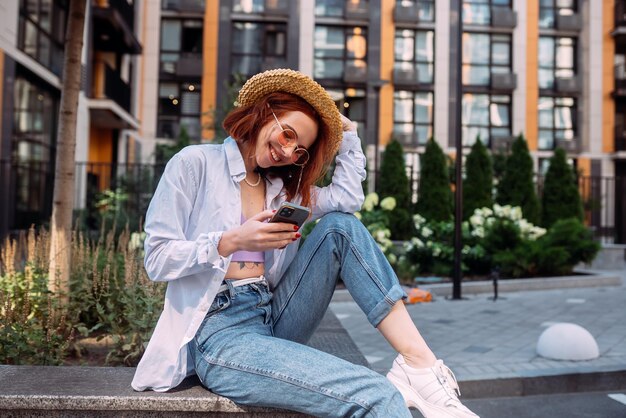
[
  {"x": 374, "y": 215},
  {"x": 493, "y": 238}
]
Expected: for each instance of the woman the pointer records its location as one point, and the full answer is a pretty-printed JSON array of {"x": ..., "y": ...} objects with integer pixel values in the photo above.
[{"x": 242, "y": 299}]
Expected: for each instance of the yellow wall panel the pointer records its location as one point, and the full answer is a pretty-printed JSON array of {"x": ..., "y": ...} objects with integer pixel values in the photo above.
[
  {"x": 209, "y": 67},
  {"x": 387, "y": 35},
  {"x": 100, "y": 145},
  {"x": 608, "y": 81},
  {"x": 532, "y": 73}
]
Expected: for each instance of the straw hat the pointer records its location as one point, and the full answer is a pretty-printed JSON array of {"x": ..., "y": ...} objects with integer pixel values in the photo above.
[{"x": 294, "y": 82}]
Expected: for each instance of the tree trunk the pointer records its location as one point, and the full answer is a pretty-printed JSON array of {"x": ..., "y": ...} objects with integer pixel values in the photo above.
[{"x": 63, "y": 200}]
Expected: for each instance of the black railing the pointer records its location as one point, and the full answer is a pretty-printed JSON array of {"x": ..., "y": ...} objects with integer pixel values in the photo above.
[
  {"x": 116, "y": 89},
  {"x": 183, "y": 5},
  {"x": 26, "y": 192},
  {"x": 26, "y": 196}
]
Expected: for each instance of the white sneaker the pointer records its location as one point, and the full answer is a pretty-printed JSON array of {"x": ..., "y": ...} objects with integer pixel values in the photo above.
[{"x": 434, "y": 391}]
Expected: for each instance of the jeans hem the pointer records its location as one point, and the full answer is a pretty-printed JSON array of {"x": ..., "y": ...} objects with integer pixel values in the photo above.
[{"x": 382, "y": 308}]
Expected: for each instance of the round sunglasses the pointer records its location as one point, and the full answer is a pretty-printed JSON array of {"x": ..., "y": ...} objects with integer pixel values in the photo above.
[{"x": 288, "y": 138}]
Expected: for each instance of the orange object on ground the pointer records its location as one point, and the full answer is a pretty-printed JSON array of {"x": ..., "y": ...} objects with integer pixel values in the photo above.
[{"x": 417, "y": 295}]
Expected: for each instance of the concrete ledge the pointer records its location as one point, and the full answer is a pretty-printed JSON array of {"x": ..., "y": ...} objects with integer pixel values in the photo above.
[
  {"x": 46, "y": 391},
  {"x": 517, "y": 285}
]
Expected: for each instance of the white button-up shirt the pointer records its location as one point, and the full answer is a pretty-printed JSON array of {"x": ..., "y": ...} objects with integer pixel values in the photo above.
[{"x": 198, "y": 198}]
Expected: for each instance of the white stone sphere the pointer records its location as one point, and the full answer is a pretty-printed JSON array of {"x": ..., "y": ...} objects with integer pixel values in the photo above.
[{"x": 565, "y": 341}]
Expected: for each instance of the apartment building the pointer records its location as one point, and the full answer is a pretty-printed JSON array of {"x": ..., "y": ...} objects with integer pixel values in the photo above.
[{"x": 552, "y": 70}]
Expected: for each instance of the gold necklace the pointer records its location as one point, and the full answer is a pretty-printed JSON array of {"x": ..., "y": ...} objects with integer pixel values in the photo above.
[{"x": 252, "y": 184}]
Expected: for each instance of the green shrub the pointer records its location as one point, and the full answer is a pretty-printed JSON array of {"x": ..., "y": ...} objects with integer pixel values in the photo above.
[
  {"x": 434, "y": 196},
  {"x": 478, "y": 182},
  {"x": 560, "y": 198},
  {"x": 575, "y": 239},
  {"x": 516, "y": 188},
  {"x": 393, "y": 182},
  {"x": 34, "y": 328},
  {"x": 110, "y": 295}
]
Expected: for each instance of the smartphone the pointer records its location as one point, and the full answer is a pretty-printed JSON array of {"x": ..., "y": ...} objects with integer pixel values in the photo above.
[{"x": 291, "y": 213}]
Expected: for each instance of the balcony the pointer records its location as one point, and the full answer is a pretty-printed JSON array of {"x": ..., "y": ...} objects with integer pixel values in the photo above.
[
  {"x": 355, "y": 73},
  {"x": 502, "y": 144},
  {"x": 620, "y": 14},
  {"x": 184, "y": 6},
  {"x": 357, "y": 10},
  {"x": 570, "y": 23},
  {"x": 620, "y": 139},
  {"x": 505, "y": 82},
  {"x": 620, "y": 88},
  {"x": 272, "y": 63},
  {"x": 570, "y": 146},
  {"x": 503, "y": 17},
  {"x": 113, "y": 27},
  {"x": 276, "y": 8},
  {"x": 405, "y": 76},
  {"x": 189, "y": 65},
  {"x": 110, "y": 104},
  {"x": 619, "y": 32},
  {"x": 406, "y": 14},
  {"x": 406, "y": 139},
  {"x": 567, "y": 85}
]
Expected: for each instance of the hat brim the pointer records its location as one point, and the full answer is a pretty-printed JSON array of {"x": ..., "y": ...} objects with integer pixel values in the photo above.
[{"x": 294, "y": 82}]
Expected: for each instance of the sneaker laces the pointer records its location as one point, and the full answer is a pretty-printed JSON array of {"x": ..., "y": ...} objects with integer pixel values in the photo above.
[{"x": 448, "y": 380}]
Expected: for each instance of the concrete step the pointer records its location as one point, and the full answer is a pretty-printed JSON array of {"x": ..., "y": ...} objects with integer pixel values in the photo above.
[{"x": 47, "y": 391}]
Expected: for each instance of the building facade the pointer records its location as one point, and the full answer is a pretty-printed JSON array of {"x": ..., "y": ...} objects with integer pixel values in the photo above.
[{"x": 551, "y": 70}]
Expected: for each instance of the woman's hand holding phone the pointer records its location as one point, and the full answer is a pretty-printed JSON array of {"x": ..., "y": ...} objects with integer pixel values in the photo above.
[{"x": 256, "y": 234}]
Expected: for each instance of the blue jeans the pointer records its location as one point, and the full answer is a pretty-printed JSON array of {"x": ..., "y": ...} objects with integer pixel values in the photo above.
[{"x": 250, "y": 349}]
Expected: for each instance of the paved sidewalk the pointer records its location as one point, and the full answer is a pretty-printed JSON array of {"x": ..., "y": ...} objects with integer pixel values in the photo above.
[{"x": 482, "y": 339}]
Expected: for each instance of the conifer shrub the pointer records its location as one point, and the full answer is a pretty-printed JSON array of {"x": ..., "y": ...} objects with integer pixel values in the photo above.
[
  {"x": 393, "y": 182},
  {"x": 478, "y": 182},
  {"x": 516, "y": 188},
  {"x": 560, "y": 198},
  {"x": 434, "y": 195}
]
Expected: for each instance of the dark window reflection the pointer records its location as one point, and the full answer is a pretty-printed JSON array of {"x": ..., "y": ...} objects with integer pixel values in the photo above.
[{"x": 41, "y": 30}]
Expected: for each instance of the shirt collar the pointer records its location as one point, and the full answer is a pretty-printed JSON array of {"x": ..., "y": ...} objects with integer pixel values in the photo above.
[{"x": 236, "y": 167}]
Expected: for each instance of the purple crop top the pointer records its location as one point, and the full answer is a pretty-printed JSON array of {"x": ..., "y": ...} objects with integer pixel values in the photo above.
[{"x": 248, "y": 256}]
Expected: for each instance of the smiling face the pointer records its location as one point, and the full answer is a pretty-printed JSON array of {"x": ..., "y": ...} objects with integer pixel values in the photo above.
[{"x": 270, "y": 153}]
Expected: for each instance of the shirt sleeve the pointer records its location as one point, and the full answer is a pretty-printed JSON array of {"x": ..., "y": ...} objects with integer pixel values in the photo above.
[
  {"x": 345, "y": 192},
  {"x": 169, "y": 255}
]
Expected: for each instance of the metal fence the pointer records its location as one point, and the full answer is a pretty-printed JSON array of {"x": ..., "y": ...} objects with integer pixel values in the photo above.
[{"x": 26, "y": 195}]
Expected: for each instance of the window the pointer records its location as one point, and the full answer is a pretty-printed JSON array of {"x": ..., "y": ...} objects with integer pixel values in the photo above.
[
  {"x": 33, "y": 151},
  {"x": 556, "y": 60},
  {"x": 248, "y": 6},
  {"x": 415, "y": 50},
  {"x": 351, "y": 103},
  {"x": 42, "y": 31},
  {"x": 478, "y": 12},
  {"x": 487, "y": 116},
  {"x": 557, "y": 121},
  {"x": 485, "y": 54},
  {"x": 425, "y": 8},
  {"x": 413, "y": 116},
  {"x": 179, "y": 39},
  {"x": 550, "y": 9},
  {"x": 335, "y": 8},
  {"x": 252, "y": 43},
  {"x": 337, "y": 48},
  {"x": 179, "y": 106}
]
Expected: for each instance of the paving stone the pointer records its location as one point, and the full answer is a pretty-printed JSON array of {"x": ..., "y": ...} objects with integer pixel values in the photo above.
[{"x": 509, "y": 327}]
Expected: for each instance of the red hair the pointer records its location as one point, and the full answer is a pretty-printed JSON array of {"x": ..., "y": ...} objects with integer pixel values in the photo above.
[{"x": 245, "y": 124}]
